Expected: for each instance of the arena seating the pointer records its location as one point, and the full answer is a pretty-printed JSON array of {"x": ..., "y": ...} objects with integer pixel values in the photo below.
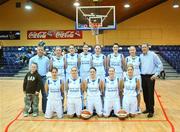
[
  {"x": 172, "y": 55},
  {"x": 12, "y": 61}
]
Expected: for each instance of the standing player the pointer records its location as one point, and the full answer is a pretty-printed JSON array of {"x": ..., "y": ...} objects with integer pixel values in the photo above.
[
  {"x": 43, "y": 68},
  {"x": 54, "y": 88},
  {"x": 111, "y": 93},
  {"x": 135, "y": 61},
  {"x": 85, "y": 60},
  {"x": 94, "y": 87},
  {"x": 74, "y": 93},
  {"x": 58, "y": 61},
  {"x": 116, "y": 60},
  {"x": 99, "y": 62},
  {"x": 71, "y": 60},
  {"x": 31, "y": 87},
  {"x": 131, "y": 86}
]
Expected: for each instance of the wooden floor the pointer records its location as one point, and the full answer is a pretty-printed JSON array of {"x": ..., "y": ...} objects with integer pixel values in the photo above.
[{"x": 166, "y": 119}]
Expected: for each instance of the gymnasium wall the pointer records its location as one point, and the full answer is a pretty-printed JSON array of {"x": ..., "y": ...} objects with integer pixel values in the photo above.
[
  {"x": 159, "y": 25},
  {"x": 39, "y": 18}
]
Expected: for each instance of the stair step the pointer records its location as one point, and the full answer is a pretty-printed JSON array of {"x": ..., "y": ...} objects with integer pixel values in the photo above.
[
  {"x": 171, "y": 73},
  {"x": 172, "y": 78}
]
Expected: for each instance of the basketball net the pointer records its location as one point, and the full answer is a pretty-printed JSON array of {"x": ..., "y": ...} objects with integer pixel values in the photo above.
[{"x": 95, "y": 30}]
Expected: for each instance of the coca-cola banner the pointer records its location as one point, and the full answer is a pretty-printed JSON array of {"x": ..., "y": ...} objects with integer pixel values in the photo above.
[{"x": 57, "y": 34}]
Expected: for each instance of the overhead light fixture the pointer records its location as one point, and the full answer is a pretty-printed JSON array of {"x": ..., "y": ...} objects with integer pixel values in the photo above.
[
  {"x": 176, "y": 4},
  {"x": 76, "y": 3},
  {"x": 28, "y": 5},
  {"x": 126, "y": 5}
]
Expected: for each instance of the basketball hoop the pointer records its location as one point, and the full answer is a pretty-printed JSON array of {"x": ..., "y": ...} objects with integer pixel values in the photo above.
[{"x": 95, "y": 27}]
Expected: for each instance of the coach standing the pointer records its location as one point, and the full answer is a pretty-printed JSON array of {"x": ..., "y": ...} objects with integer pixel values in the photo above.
[
  {"x": 151, "y": 66},
  {"x": 43, "y": 67}
]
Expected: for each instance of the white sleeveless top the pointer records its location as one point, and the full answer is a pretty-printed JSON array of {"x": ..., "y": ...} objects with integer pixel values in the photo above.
[
  {"x": 59, "y": 64},
  {"x": 74, "y": 87},
  {"x": 135, "y": 61},
  {"x": 116, "y": 62},
  {"x": 111, "y": 88},
  {"x": 130, "y": 86},
  {"x": 98, "y": 63},
  {"x": 72, "y": 61},
  {"x": 85, "y": 62},
  {"x": 93, "y": 88},
  {"x": 54, "y": 92}
]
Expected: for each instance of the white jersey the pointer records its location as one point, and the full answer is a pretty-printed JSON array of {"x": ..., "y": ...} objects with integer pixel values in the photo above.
[
  {"x": 130, "y": 86},
  {"x": 54, "y": 92},
  {"x": 85, "y": 62},
  {"x": 93, "y": 88},
  {"x": 135, "y": 61},
  {"x": 98, "y": 63},
  {"x": 111, "y": 88},
  {"x": 71, "y": 61},
  {"x": 59, "y": 64},
  {"x": 74, "y": 87},
  {"x": 116, "y": 62}
]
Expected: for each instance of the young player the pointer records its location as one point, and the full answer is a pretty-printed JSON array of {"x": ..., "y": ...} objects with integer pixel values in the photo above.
[
  {"x": 85, "y": 59},
  {"x": 31, "y": 87},
  {"x": 94, "y": 87},
  {"x": 54, "y": 88},
  {"x": 111, "y": 93},
  {"x": 131, "y": 86},
  {"x": 135, "y": 61},
  {"x": 71, "y": 60},
  {"x": 74, "y": 94},
  {"x": 99, "y": 62},
  {"x": 116, "y": 60}
]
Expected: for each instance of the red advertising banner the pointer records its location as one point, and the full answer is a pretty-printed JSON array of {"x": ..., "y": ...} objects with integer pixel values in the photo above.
[{"x": 56, "y": 34}]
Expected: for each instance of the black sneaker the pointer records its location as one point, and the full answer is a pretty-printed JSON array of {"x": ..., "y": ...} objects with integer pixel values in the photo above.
[
  {"x": 150, "y": 115},
  {"x": 145, "y": 112}
]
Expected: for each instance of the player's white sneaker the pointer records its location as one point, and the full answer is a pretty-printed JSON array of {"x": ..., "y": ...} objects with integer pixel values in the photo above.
[
  {"x": 26, "y": 114},
  {"x": 35, "y": 114}
]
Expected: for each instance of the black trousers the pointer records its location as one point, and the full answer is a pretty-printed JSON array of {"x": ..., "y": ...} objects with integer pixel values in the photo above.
[{"x": 148, "y": 92}]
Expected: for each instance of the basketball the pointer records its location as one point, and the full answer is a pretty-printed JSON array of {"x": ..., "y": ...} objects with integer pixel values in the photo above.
[
  {"x": 122, "y": 114},
  {"x": 85, "y": 114}
]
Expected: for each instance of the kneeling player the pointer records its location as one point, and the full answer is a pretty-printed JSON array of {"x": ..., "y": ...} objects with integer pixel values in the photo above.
[
  {"x": 54, "y": 88},
  {"x": 94, "y": 88},
  {"x": 111, "y": 97},
  {"x": 74, "y": 94},
  {"x": 131, "y": 86}
]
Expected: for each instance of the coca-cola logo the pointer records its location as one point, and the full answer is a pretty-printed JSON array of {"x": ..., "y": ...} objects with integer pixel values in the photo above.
[
  {"x": 62, "y": 34},
  {"x": 49, "y": 34},
  {"x": 37, "y": 34}
]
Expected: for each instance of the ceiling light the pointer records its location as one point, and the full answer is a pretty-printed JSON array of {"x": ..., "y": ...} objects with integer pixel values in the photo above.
[
  {"x": 76, "y": 3},
  {"x": 126, "y": 5},
  {"x": 175, "y": 6},
  {"x": 28, "y": 6}
]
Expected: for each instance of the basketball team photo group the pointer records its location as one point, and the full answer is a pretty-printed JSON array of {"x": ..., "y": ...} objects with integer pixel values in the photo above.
[{"x": 93, "y": 81}]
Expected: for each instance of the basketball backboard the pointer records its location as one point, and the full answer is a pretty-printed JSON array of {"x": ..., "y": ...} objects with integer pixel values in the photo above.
[{"x": 102, "y": 17}]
